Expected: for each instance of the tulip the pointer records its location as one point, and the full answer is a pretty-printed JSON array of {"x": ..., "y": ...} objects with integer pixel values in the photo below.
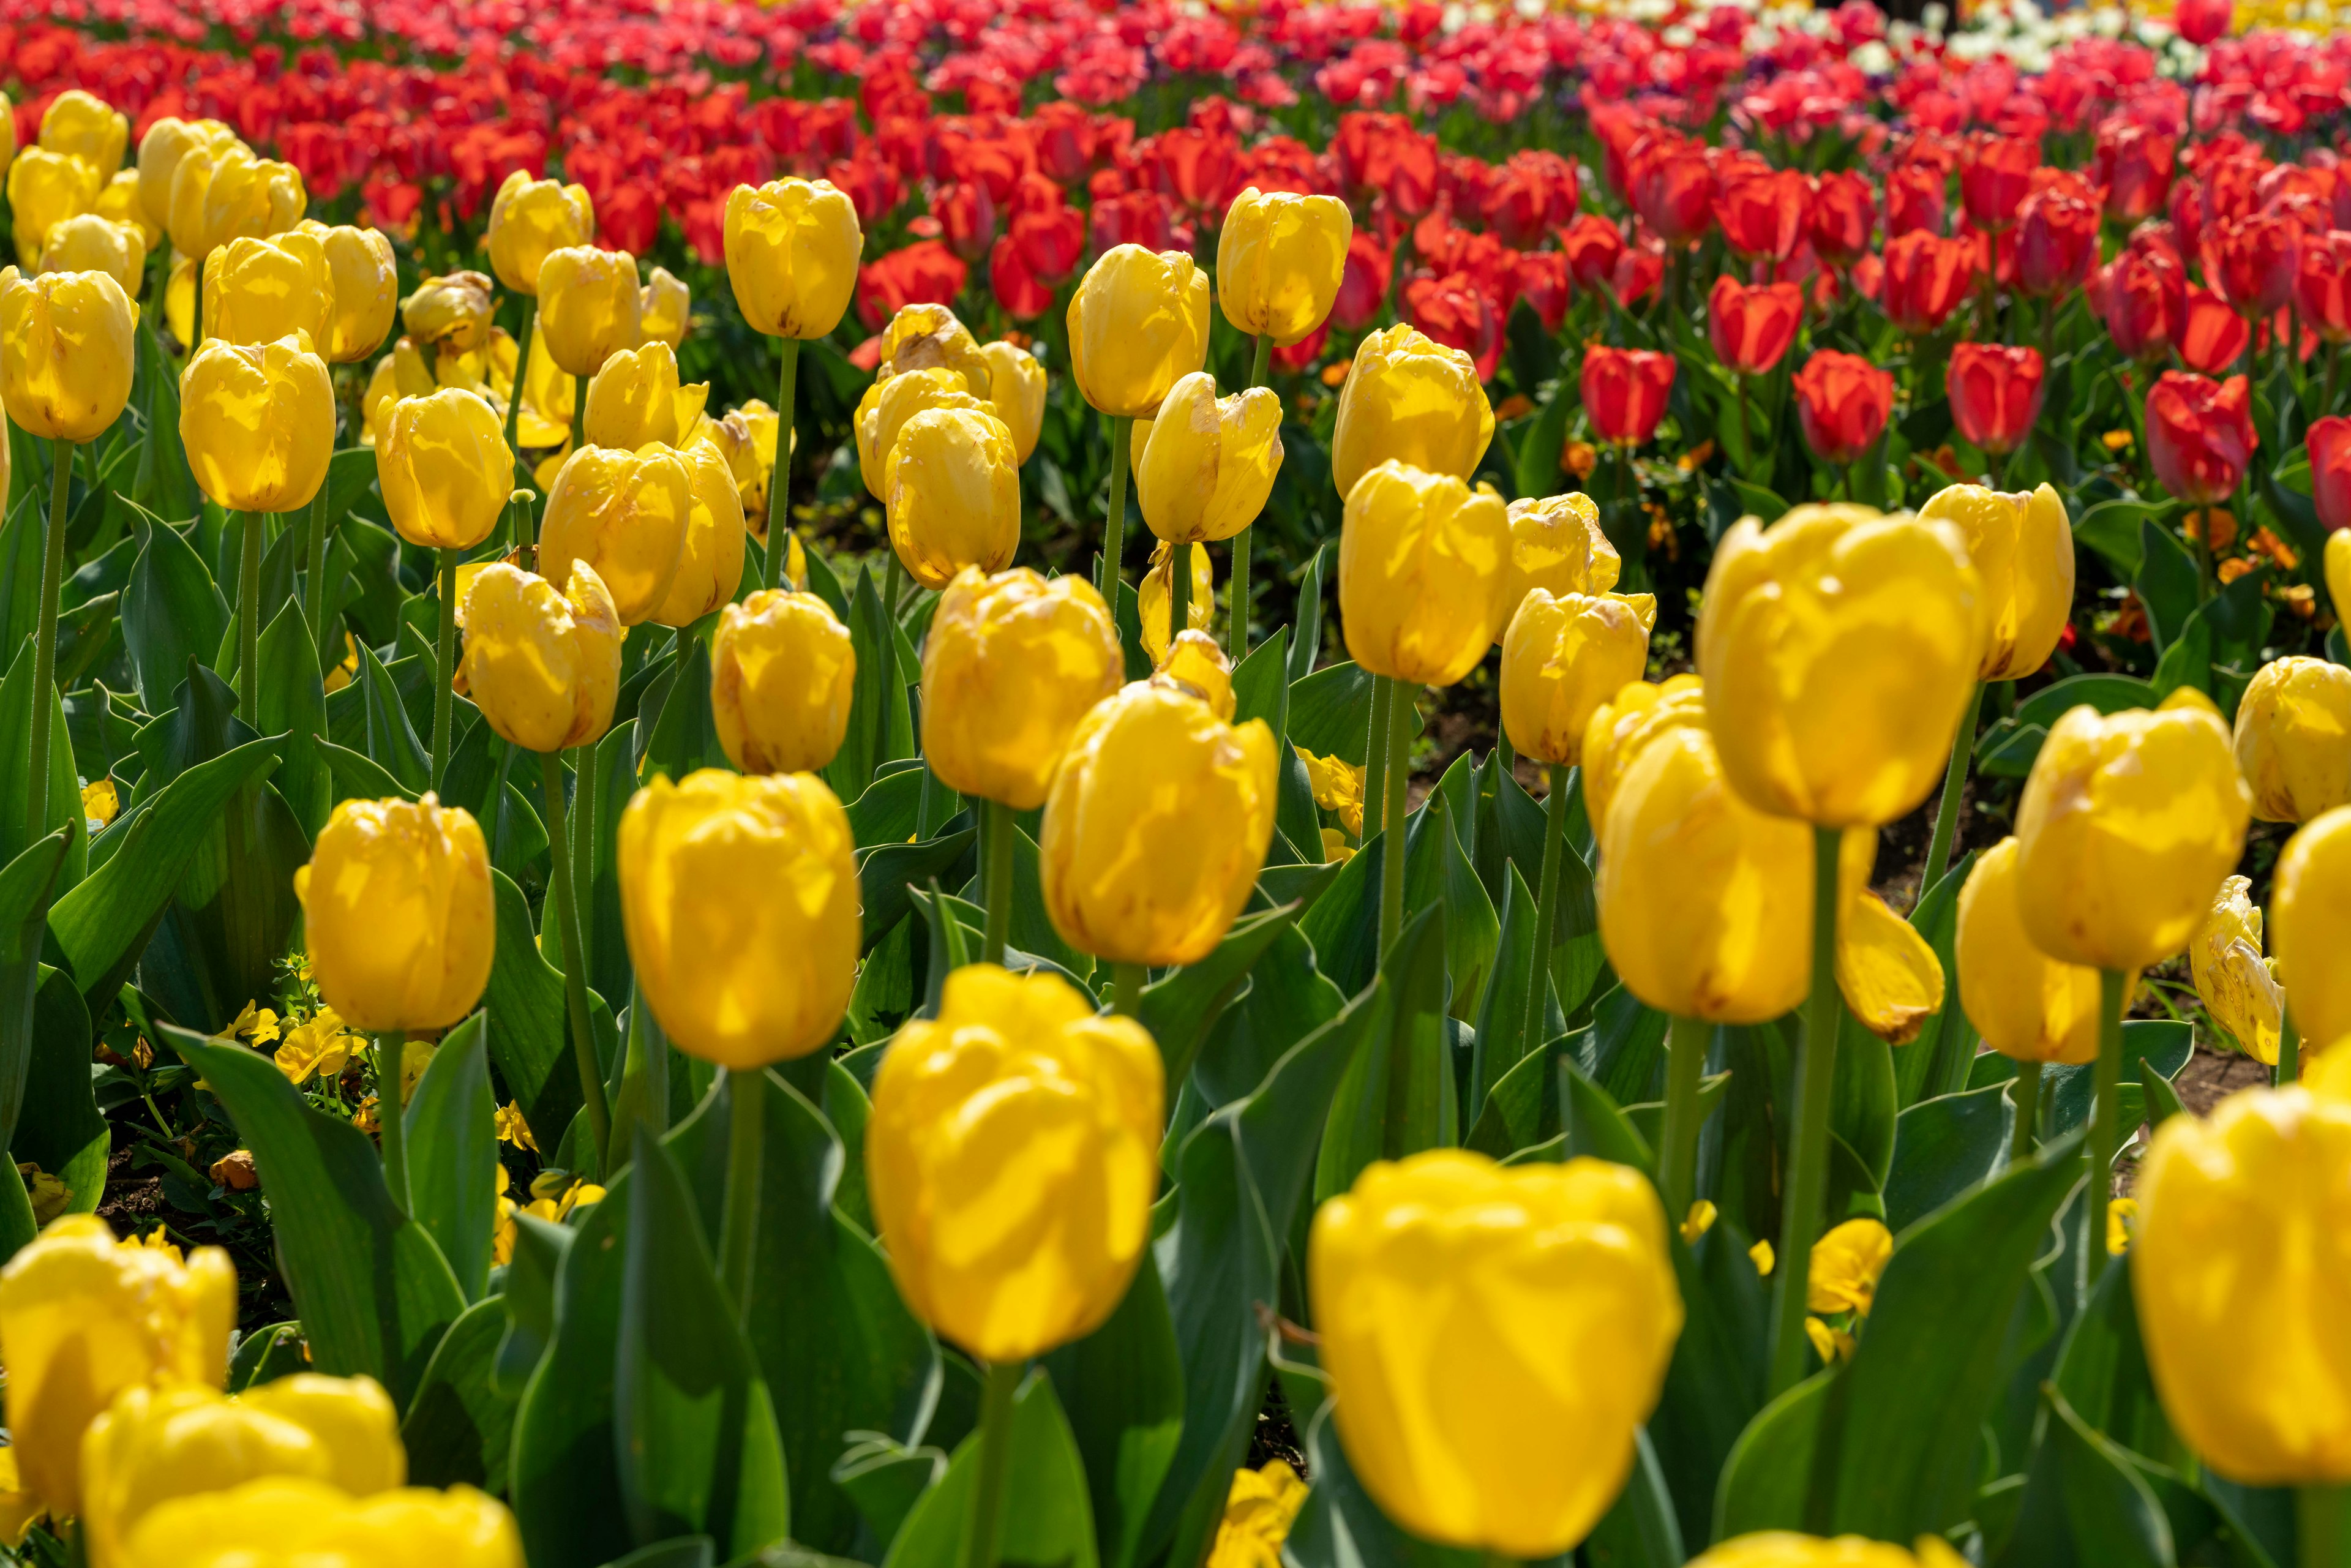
[
  {"x": 746, "y": 437},
  {"x": 542, "y": 665},
  {"x": 783, "y": 672},
  {"x": 1156, "y": 827},
  {"x": 364, "y": 288},
  {"x": 1010, "y": 665},
  {"x": 2027, "y": 1005},
  {"x": 2144, "y": 300},
  {"x": 1210, "y": 461},
  {"x": 791, "y": 255},
  {"x": 1673, "y": 188},
  {"x": 665, "y": 306},
  {"x": 2199, "y": 435},
  {"x": 1563, "y": 659},
  {"x": 1843, "y": 403},
  {"x": 634, "y": 399},
  {"x": 2056, "y": 244},
  {"x": 1926, "y": 277},
  {"x": 953, "y": 485},
  {"x": 2022, "y": 546},
  {"x": 2212, "y": 337},
  {"x": 1556, "y": 543},
  {"x": 1138, "y": 323},
  {"x": 1506, "y": 1436},
  {"x": 1995, "y": 176},
  {"x": 1017, "y": 388},
  {"x": 1764, "y": 215},
  {"x": 1750, "y": 328},
  {"x": 1012, "y": 1158},
  {"x": 453, "y": 310},
  {"x": 589, "y": 307},
  {"x": 45, "y": 189},
  {"x": 118, "y": 200},
  {"x": 82, "y": 1319},
  {"x": 710, "y": 559},
  {"x": 2322, "y": 285},
  {"x": 1843, "y": 212},
  {"x": 2253, "y": 261},
  {"x": 1624, "y": 393},
  {"x": 624, "y": 513},
  {"x": 84, "y": 127},
  {"x": 1424, "y": 567},
  {"x": 66, "y": 352},
  {"x": 1995, "y": 392},
  {"x": 397, "y": 913},
  {"x": 1620, "y": 728},
  {"x": 1195, "y": 665},
  {"x": 259, "y": 290},
  {"x": 529, "y": 219},
  {"x": 932, "y": 337},
  {"x": 2293, "y": 738},
  {"x": 166, "y": 142},
  {"x": 258, "y": 422},
  {"x": 291, "y": 1519},
  {"x": 222, "y": 194},
  {"x": 445, "y": 469},
  {"x": 1786, "y": 1549},
  {"x": 2309, "y": 920},
  {"x": 886, "y": 407},
  {"x": 1409, "y": 399},
  {"x": 88, "y": 243},
  {"x": 2328, "y": 444},
  {"x": 1279, "y": 261},
  {"x": 2239, "y": 987}
]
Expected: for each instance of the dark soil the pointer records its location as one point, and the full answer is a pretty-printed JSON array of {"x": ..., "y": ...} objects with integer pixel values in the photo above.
[{"x": 1275, "y": 1437}]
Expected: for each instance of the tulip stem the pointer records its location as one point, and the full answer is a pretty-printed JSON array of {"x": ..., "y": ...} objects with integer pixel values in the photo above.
[
  {"x": 1237, "y": 596},
  {"x": 522, "y": 370},
  {"x": 1126, "y": 983},
  {"x": 746, "y": 1093},
  {"x": 445, "y": 657},
  {"x": 580, "y": 411},
  {"x": 2027, "y": 1095},
  {"x": 1261, "y": 361},
  {"x": 1815, "y": 1087},
  {"x": 248, "y": 614},
  {"x": 1404, "y": 717},
  {"x": 780, "y": 484},
  {"x": 996, "y": 886},
  {"x": 2113, "y": 991},
  {"x": 1375, "y": 762},
  {"x": 1546, "y": 904},
  {"x": 1685, "y": 1042},
  {"x": 1114, "y": 520},
  {"x": 390, "y": 1111},
  {"x": 2289, "y": 1061},
  {"x": 575, "y": 979},
  {"x": 995, "y": 1463},
  {"x": 314, "y": 575},
  {"x": 1955, "y": 779},
  {"x": 44, "y": 638},
  {"x": 2319, "y": 1526}
]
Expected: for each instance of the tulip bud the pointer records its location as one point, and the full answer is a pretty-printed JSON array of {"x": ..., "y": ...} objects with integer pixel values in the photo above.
[
  {"x": 2236, "y": 1213},
  {"x": 1624, "y": 393},
  {"x": 791, "y": 254},
  {"x": 1012, "y": 663},
  {"x": 83, "y": 1318},
  {"x": 1506, "y": 1435},
  {"x": 258, "y": 423},
  {"x": 1011, "y": 1157},
  {"x": 710, "y": 561},
  {"x": 665, "y": 306},
  {"x": 1017, "y": 388},
  {"x": 397, "y": 912},
  {"x": 2127, "y": 824},
  {"x": 529, "y": 218},
  {"x": 783, "y": 672},
  {"x": 1412, "y": 400},
  {"x": 1156, "y": 827},
  {"x": 2022, "y": 546},
  {"x": 1279, "y": 260},
  {"x": 740, "y": 896},
  {"x": 1195, "y": 665},
  {"x": 84, "y": 127},
  {"x": 745, "y": 438},
  {"x": 624, "y": 513},
  {"x": 365, "y": 290},
  {"x": 634, "y": 398},
  {"x": 1138, "y": 323},
  {"x": 167, "y": 142},
  {"x": 930, "y": 337},
  {"x": 1563, "y": 659},
  {"x": 453, "y": 309},
  {"x": 1210, "y": 461},
  {"x": 1424, "y": 570},
  {"x": 45, "y": 189},
  {"x": 2025, "y": 1004},
  {"x": 1848, "y": 721},
  {"x": 1620, "y": 728},
  {"x": 2293, "y": 738},
  {"x": 2238, "y": 986},
  {"x": 444, "y": 468},
  {"x": 1556, "y": 544},
  {"x": 118, "y": 200},
  {"x": 222, "y": 194},
  {"x": 589, "y": 307},
  {"x": 543, "y": 667},
  {"x": 1843, "y": 403},
  {"x": 1750, "y": 328},
  {"x": 259, "y": 290},
  {"x": 88, "y": 243},
  {"x": 1995, "y": 392},
  {"x": 2199, "y": 435},
  {"x": 2310, "y": 923},
  {"x": 953, "y": 484},
  {"x": 888, "y": 404},
  {"x": 66, "y": 352}
]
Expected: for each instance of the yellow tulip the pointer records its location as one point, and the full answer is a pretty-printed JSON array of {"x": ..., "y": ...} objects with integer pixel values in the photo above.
[
  {"x": 397, "y": 913},
  {"x": 792, "y": 247},
  {"x": 926, "y": 337},
  {"x": 1196, "y": 665},
  {"x": 2338, "y": 572},
  {"x": 1210, "y": 461},
  {"x": 589, "y": 306},
  {"x": 221, "y": 193},
  {"x": 259, "y": 290},
  {"x": 2293, "y": 738},
  {"x": 2240, "y": 1216},
  {"x": 1411, "y": 400},
  {"x": 2239, "y": 987},
  {"x": 258, "y": 423},
  {"x": 167, "y": 142},
  {"x": 118, "y": 199},
  {"x": 1138, "y": 323},
  {"x": 2126, "y": 826},
  {"x": 1012, "y": 663},
  {"x": 635, "y": 398},
  {"x": 529, "y": 218},
  {"x": 1017, "y": 388},
  {"x": 543, "y": 667},
  {"x": 284, "y": 1519},
  {"x": 746, "y": 437},
  {"x": 1556, "y": 543},
  {"x": 82, "y": 1318},
  {"x": 45, "y": 189},
  {"x": 1494, "y": 1339},
  {"x": 782, "y": 673},
  {"x": 453, "y": 309},
  {"x": 8, "y": 129},
  {"x": 1154, "y": 597},
  {"x": 710, "y": 557},
  {"x": 1156, "y": 827},
  {"x": 444, "y": 468},
  {"x": 66, "y": 352},
  {"x": 1786, "y": 1549},
  {"x": 1562, "y": 659},
  {"x": 886, "y": 407},
  {"x": 366, "y": 290},
  {"x": 1279, "y": 257},
  {"x": 2025, "y": 1004},
  {"x": 1626, "y": 723},
  {"x": 85, "y": 128},
  {"x": 1424, "y": 563},
  {"x": 626, "y": 513},
  {"x": 548, "y": 395},
  {"x": 2309, "y": 924},
  {"x": 1012, "y": 1158},
  {"x": 1837, "y": 649},
  {"x": 952, "y": 487},
  {"x": 740, "y": 896},
  {"x": 88, "y": 243},
  {"x": 401, "y": 374},
  {"x": 2021, "y": 545}
]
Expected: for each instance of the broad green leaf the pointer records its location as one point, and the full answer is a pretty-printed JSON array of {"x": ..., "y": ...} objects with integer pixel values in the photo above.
[
  {"x": 1331, "y": 712},
  {"x": 563, "y": 1478},
  {"x": 2085, "y": 1503},
  {"x": 390, "y": 738},
  {"x": 886, "y": 874},
  {"x": 1397, "y": 1098},
  {"x": 1261, "y": 685},
  {"x": 1714, "y": 1384},
  {"x": 27, "y": 883},
  {"x": 356, "y": 776},
  {"x": 1936, "y": 1062},
  {"x": 1437, "y": 869},
  {"x": 162, "y": 480},
  {"x": 1343, "y": 922},
  {"x": 1045, "y": 1516},
  {"x": 1943, "y": 1147},
  {"x": 1768, "y": 1478},
  {"x": 1596, "y": 1126},
  {"x": 459, "y": 1426},
  {"x": 172, "y": 612},
  {"x": 2101, "y": 1371},
  {"x": 1180, "y": 1010},
  {"x": 1641, "y": 1530},
  {"x": 1506, "y": 1035},
  {"x": 1288, "y": 998},
  {"x": 890, "y": 811},
  {"x": 1537, "y": 470},
  {"x": 60, "y": 1129},
  {"x": 266, "y": 1355},
  {"x": 1306, "y": 641},
  {"x": 685, "y": 734},
  {"x": 528, "y": 1042},
  {"x": 1123, "y": 1389},
  {"x": 881, "y": 722},
  {"x": 64, "y": 798},
  {"x": 453, "y": 1154},
  {"x": 2112, "y": 530},
  {"x": 2165, "y": 582},
  {"x": 294, "y": 705},
  {"x": 2158, "y": 1045},
  {"x": 1863, "y": 1110}
]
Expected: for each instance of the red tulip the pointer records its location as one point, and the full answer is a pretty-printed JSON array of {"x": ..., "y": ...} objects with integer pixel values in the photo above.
[
  {"x": 2322, "y": 285},
  {"x": 2134, "y": 163},
  {"x": 2251, "y": 261},
  {"x": 1995, "y": 392},
  {"x": 2142, "y": 294},
  {"x": 1051, "y": 243},
  {"x": 1763, "y": 215},
  {"x": 2329, "y": 445},
  {"x": 1639, "y": 272},
  {"x": 1844, "y": 213},
  {"x": 1996, "y": 177},
  {"x": 1591, "y": 244},
  {"x": 1063, "y": 135},
  {"x": 1914, "y": 199},
  {"x": 1751, "y": 328},
  {"x": 1545, "y": 283},
  {"x": 1303, "y": 354},
  {"x": 1624, "y": 393},
  {"x": 2056, "y": 242},
  {"x": 1363, "y": 286},
  {"x": 1455, "y": 312},
  {"x": 1673, "y": 187},
  {"x": 1194, "y": 166},
  {"x": 1018, "y": 288},
  {"x": 1531, "y": 193},
  {"x": 968, "y": 213},
  {"x": 1926, "y": 277},
  {"x": 1135, "y": 217},
  {"x": 2199, "y": 435},
  {"x": 1843, "y": 403},
  {"x": 2201, "y": 21},
  {"x": 2212, "y": 336},
  {"x": 923, "y": 273}
]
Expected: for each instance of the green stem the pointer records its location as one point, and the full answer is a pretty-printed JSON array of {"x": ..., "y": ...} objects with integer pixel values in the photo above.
[
  {"x": 2289, "y": 1061},
  {"x": 780, "y": 484},
  {"x": 522, "y": 367},
  {"x": 1800, "y": 1217},
  {"x": 1115, "y": 521},
  {"x": 2114, "y": 990},
  {"x": 391, "y": 1108},
  {"x": 644, "y": 1075},
  {"x": 1179, "y": 592},
  {"x": 446, "y": 661},
  {"x": 2027, "y": 1095},
  {"x": 575, "y": 978},
  {"x": 2319, "y": 1519},
  {"x": 995, "y": 1463},
  {"x": 314, "y": 575},
  {"x": 1376, "y": 761},
  {"x": 1998, "y": 465},
  {"x": 588, "y": 799},
  {"x": 1546, "y": 903},
  {"x": 1403, "y": 718},
  {"x": 1261, "y": 361},
  {"x": 747, "y": 1091},
  {"x": 995, "y": 826},
  {"x": 580, "y": 411},
  {"x": 1126, "y": 983},
  {"x": 1686, "y": 1043},
  {"x": 1955, "y": 779},
  {"x": 248, "y": 615},
  {"x": 45, "y": 640},
  {"x": 893, "y": 584}
]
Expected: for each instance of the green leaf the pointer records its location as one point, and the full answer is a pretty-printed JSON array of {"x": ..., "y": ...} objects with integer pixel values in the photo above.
[
  {"x": 1331, "y": 712},
  {"x": 172, "y": 612},
  {"x": 2112, "y": 530},
  {"x": 686, "y": 1552},
  {"x": 1437, "y": 869},
  {"x": 1596, "y": 1127},
  {"x": 1398, "y": 1097},
  {"x": 2158, "y": 1045},
  {"x": 1714, "y": 1384},
  {"x": 1936, "y": 1062},
  {"x": 294, "y": 705},
  {"x": 1045, "y": 1516},
  {"x": 1863, "y": 1112},
  {"x": 541, "y": 1246},
  {"x": 162, "y": 480},
  {"x": 355, "y": 775},
  {"x": 1180, "y": 1010},
  {"x": 1342, "y": 923},
  {"x": 1943, "y": 1147},
  {"x": 886, "y": 877},
  {"x": 1641, "y": 1530},
  {"x": 27, "y": 883},
  {"x": 1340, "y": 1525},
  {"x": 60, "y": 1129},
  {"x": 64, "y": 799},
  {"x": 685, "y": 734},
  {"x": 2102, "y": 1373},
  {"x": 266, "y": 1355},
  {"x": 1537, "y": 471},
  {"x": 1769, "y": 1475},
  {"x": 2166, "y": 581},
  {"x": 890, "y": 811},
  {"x": 453, "y": 1154},
  {"x": 1306, "y": 643},
  {"x": 881, "y": 722},
  {"x": 373, "y": 1292},
  {"x": 2084, "y": 1502},
  {"x": 563, "y": 1481},
  {"x": 1123, "y": 1388},
  {"x": 1288, "y": 998},
  {"x": 459, "y": 1426},
  {"x": 528, "y": 1044},
  {"x": 1262, "y": 685},
  {"x": 391, "y": 740},
  {"x": 1504, "y": 1038}
]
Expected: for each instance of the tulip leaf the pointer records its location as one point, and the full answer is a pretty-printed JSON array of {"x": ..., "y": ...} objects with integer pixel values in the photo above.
[
  {"x": 1331, "y": 712},
  {"x": 1522, "y": 1110},
  {"x": 458, "y": 1427},
  {"x": 453, "y": 1153},
  {"x": 1341, "y": 1527},
  {"x": 1537, "y": 471},
  {"x": 881, "y": 722},
  {"x": 294, "y": 705},
  {"x": 1506, "y": 1035},
  {"x": 1714, "y": 1384},
  {"x": 684, "y": 1551},
  {"x": 2158, "y": 1045},
  {"x": 1437, "y": 869},
  {"x": 1936, "y": 1062},
  {"x": 1625, "y": 1051},
  {"x": 1944, "y": 1147},
  {"x": 1180, "y": 1010},
  {"x": 61, "y": 1128},
  {"x": 2111, "y": 528},
  {"x": 1596, "y": 1126},
  {"x": 233, "y": 913},
  {"x": 890, "y": 811},
  {"x": 64, "y": 800},
  {"x": 391, "y": 739},
  {"x": 1768, "y": 1476},
  {"x": 172, "y": 612},
  {"x": 2187, "y": 662},
  {"x": 563, "y": 1476},
  {"x": 373, "y": 1292},
  {"x": 2007, "y": 750},
  {"x": 1746, "y": 1185},
  {"x": 163, "y": 480},
  {"x": 2083, "y": 1501},
  {"x": 1397, "y": 1098},
  {"x": 1287, "y": 1000},
  {"x": 1262, "y": 685},
  {"x": 886, "y": 876},
  {"x": 355, "y": 775},
  {"x": 1047, "y": 1517},
  {"x": 524, "y": 1001},
  {"x": 1509, "y": 831},
  {"x": 267, "y": 1354},
  {"x": 1121, "y": 1387},
  {"x": 1306, "y": 634},
  {"x": 1640, "y": 1530},
  {"x": 685, "y": 734},
  {"x": 28, "y": 884},
  {"x": 1342, "y": 923},
  {"x": 2109, "y": 693},
  {"x": 2166, "y": 581},
  {"x": 2101, "y": 1371},
  {"x": 1863, "y": 1108}
]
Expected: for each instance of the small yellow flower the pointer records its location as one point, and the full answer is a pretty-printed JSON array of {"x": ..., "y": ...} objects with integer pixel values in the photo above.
[
  {"x": 2116, "y": 440},
  {"x": 1338, "y": 787},
  {"x": 343, "y": 674},
  {"x": 99, "y": 802},
  {"x": 256, "y": 1026},
  {"x": 1762, "y": 1255},
  {"x": 1833, "y": 1345},
  {"x": 50, "y": 1195},
  {"x": 364, "y": 1118},
  {"x": 158, "y": 1241},
  {"x": 2122, "y": 1219},
  {"x": 1846, "y": 1263},
  {"x": 320, "y": 1044},
  {"x": 1337, "y": 850},
  {"x": 235, "y": 1171},
  {"x": 1259, "y": 1513},
  {"x": 513, "y": 1129},
  {"x": 1699, "y": 1220}
]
